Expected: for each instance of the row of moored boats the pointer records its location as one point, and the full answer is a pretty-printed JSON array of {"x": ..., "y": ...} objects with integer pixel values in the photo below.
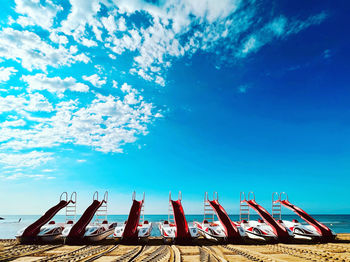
[{"x": 216, "y": 224}]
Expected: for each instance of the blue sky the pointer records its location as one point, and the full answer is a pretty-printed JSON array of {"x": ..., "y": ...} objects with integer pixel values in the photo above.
[{"x": 174, "y": 95}]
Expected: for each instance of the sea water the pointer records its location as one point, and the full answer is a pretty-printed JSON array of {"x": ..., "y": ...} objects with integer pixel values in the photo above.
[{"x": 13, "y": 223}]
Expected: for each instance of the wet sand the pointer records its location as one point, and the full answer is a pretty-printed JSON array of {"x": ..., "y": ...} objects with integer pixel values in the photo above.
[{"x": 155, "y": 250}]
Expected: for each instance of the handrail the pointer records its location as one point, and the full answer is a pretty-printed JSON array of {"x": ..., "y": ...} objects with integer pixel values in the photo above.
[
  {"x": 95, "y": 194},
  {"x": 66, "y": 194},
  {"x": 143, "y": 208},
  {"x": 242, "y": 198},
  {"x": 134, "y": 196},
  {"x": 73, "y": 196},
  {"x": 276, "y": 208},
  {"x": 170, "y": 209},
  {"x": 105, "y": 197},
  {"x": 206, "y": 198},
  {"x": 180, "y": 196},
  {"x": 244, "y": 207},
  {"x": 71, "y": 208},
  {"x": 251, "y": 193},
  {"x": 273, "y": 197},
  {"x": 217, "y": 196},
  {"x": 283, "y": 194}
]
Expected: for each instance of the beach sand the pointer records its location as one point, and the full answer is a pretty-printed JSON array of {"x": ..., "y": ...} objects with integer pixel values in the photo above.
[{"x": 155, "y": 250}]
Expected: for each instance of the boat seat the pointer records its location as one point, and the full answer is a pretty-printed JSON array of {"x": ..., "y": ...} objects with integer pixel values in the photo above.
[
  {"x": 295, "y": 221},
  {"x": 51, "y": 222},
  {"x": 69, "y": 222},
  {"x": 260, "y": 221},
  {"x": 244, "y": 221},
  {"x": 112, "y": 225},
  {"x": 280, "y": 221},
  {"x": 146, "y": 222},
  {"x": 166, "y": 222},
  {"x": 205, "y": 222},
  {"x": 104, "y": 222}
]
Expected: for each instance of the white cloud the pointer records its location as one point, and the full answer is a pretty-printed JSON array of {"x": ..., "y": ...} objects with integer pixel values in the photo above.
[
  {"x": 122, "y": 24},
  {"x": 33, "y": 53},
  {"x": 58, "y": 38},
  {"x": 53, "y": 84},
  {"x": 232, "y": 29},
  {"x": 15, "y": 123},
  {"x": 106, "y": 124},
  {"x": 48, "y": 170},
  {"x": 16, "y": 176},
  {"x": 126, "y": 88},
  {"x": 36, "y": 12},
  {"x": 81, "y": 160},
  {"x": 279, "y": 27},
  {"x": 176, "y": 28},
  {"x": 6, "y": 73},
  {"x": 112, "y": 56},
  {"x": 25, "y": 103},
  {"x": 88, "y": 42},
  {"x": 95, "y": 80},
  {"x": 37, "y": 102},
  {"x": 82, "y": 13},
  {"x": 31, "y": 159},
  {"x": 160, "y": 80},
  {"x": 109, "y": 23},
  {"x": 250, "y": 45}
]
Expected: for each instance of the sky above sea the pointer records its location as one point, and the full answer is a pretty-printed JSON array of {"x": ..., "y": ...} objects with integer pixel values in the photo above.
[{"x": 178, "y": 95}]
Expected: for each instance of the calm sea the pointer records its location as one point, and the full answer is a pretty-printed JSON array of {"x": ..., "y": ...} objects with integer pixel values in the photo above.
[{"x": 10, "y": 225}]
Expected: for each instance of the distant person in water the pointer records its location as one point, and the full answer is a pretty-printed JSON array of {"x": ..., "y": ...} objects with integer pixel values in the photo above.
[
  {"x": 19, "y": 220},
  {"x": 1, "y": 218}
]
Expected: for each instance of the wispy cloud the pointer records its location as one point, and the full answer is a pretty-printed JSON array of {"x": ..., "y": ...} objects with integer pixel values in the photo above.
[
  {"x": 243, "y": 88},
  {"x": 95, "y": 80},
  {"x": 31, "y": 159},
  {"x": 18, "y": 176},
  {"x": 34, "y": 53},
  {"x": 52, "y": 105},
  {"x": 6, "y": 72}
]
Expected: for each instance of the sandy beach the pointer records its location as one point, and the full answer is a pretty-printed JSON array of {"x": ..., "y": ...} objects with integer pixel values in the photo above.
[{"x": 155, "y": 250}]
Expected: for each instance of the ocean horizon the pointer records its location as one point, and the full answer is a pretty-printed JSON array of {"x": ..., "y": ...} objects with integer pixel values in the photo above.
[{"x": 339, "y": 223}]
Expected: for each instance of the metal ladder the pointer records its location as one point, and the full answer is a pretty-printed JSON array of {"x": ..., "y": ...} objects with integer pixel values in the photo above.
[
  {"x": 276, "y": 206},
  {"x": 142, "y": 217},
  {"x": 244, "y": 209},
  {"x": 171, "y": 218},
  {"x": 209, "y": 213},
  {"x": 71, "y": 208},
  {"x": 101, "y": 213}
]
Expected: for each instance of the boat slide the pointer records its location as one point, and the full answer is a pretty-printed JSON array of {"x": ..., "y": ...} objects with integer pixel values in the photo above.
[
  {"x": 222, "y": 229},
  {"x": 315, "y": 229},
  {"x": 262, "y": 227},
  {"x": 132, "y": 229},
  {"x": 216, "y": 224},
  {"x": 176, "y": 228},
  {"x": 30, "y": 233},
  {"x": 96, "y": 231},
  {"x": 53, "y": 231}
]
